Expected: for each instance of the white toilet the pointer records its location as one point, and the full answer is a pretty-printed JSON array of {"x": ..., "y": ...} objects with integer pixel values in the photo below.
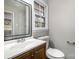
[{"x": 52, "y": 53}]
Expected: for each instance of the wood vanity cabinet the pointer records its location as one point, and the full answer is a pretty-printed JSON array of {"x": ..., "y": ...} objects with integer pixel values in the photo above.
[
  {"x": 27, "y": 55},
  {"x": 39, "y": 54},
  {"x": 36, "y": 53}
]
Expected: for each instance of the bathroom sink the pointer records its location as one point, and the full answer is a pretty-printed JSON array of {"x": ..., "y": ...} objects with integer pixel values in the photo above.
[
  {"x": 22, "y": 45},
  {"x": 16, "y": 48}
]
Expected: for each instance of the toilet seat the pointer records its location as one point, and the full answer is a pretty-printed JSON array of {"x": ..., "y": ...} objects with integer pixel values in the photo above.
[{"x": 54, "y": 53}]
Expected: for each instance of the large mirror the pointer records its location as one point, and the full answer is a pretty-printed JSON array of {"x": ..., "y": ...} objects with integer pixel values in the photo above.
[{"x": 17, "y": 19}]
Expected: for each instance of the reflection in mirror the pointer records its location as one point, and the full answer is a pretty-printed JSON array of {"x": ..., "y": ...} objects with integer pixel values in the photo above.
[{"x": 17, "y": 19}]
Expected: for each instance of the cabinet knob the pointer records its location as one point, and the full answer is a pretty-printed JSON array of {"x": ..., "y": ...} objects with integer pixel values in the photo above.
[
  {"x": 36, "y": 51},
  {"x": 32, "y": 55}
]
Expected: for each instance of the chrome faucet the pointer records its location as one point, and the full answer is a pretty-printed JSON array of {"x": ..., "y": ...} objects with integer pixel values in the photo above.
[{"x": 21, "y": 40}]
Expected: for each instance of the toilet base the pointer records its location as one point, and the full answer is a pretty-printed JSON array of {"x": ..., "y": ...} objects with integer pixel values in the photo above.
[
  {"x": 57, "y": 54},
  {"x": 57, "y": 58},
  {"x": 50, "y": 57}
]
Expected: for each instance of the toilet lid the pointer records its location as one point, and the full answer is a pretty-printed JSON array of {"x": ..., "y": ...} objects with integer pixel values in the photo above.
[{"x": 55, "y": 52}]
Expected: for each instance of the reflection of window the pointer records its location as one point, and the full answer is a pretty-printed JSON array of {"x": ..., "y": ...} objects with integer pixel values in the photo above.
[
  {"x": 8, "y": 23},
  {"x": 39, "y": 15}
]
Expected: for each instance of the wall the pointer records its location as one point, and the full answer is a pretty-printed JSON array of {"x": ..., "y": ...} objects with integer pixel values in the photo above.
[{"x": 62, "y": 25}]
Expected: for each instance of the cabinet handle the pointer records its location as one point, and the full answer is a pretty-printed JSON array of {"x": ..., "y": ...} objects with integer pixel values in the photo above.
[
  {"x": 32, "y": 55},
  {"x": 36, "y": 51}
]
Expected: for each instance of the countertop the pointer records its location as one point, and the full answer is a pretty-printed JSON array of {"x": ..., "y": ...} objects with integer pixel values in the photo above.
[{"x": 11, "y": 50}]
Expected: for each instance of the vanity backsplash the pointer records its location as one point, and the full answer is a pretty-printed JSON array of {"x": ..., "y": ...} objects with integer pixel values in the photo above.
[{"x": 40, "y": 33}]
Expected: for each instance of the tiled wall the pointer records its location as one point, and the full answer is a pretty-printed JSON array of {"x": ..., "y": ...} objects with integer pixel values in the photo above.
[{"x": 40, "y": 33}]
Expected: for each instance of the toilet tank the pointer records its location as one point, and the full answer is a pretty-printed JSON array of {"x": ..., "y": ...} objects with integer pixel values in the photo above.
[{"x": 45, "y": 38}]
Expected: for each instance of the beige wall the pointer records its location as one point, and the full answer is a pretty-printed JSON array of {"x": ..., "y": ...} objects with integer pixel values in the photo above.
[{"x": 62, "y": 25}]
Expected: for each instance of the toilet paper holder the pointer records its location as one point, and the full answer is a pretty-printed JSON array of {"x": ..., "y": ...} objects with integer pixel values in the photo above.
[{"x": 71, "y": 42}]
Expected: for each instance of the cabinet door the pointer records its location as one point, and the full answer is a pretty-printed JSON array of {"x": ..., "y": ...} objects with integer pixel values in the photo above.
[
  {"x": 25, "y": 56},
  {"x": 40, "y": 54}
]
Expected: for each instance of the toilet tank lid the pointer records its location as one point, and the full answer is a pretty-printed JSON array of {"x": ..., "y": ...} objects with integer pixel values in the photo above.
[{"x": 55, "y": 52}]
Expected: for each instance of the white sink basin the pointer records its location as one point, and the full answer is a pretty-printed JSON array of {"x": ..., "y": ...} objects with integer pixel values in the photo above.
[{"x": 21, "y": 45}]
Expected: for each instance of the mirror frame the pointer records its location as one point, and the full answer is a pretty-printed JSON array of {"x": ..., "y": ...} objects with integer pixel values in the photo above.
[{"x": 14, "y": 37}]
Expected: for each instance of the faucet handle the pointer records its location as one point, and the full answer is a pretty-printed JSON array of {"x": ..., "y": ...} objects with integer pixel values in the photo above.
[{"x": 21, "y": 40}]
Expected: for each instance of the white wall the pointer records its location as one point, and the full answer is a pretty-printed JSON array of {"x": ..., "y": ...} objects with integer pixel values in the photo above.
[{"x": 61, "y": 25}]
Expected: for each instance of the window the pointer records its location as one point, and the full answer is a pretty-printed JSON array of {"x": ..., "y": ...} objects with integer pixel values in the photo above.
[{"x": 39, "y": 15}]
